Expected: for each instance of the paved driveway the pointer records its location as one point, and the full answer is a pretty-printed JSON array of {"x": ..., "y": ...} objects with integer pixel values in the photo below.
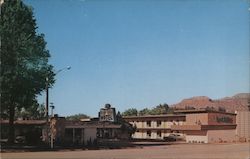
[{"x": 176, "y": 151}]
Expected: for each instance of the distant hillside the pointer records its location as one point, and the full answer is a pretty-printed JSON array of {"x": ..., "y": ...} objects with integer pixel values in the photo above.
[{"x": 236, "y": 102}]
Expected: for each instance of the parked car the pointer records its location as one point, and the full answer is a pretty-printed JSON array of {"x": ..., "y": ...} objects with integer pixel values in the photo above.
[
  {"x": 173, "y": 137},
  {"x": 20, "y": 139}
]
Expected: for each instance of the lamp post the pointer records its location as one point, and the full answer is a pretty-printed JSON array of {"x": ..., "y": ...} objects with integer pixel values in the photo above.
[{"x": 47, "y": 103}]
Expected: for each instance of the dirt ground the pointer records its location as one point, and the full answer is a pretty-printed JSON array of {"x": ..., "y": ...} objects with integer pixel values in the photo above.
[{"x": 144, "y": 151}]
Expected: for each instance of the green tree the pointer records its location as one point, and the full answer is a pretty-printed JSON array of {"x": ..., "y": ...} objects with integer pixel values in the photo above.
[
  {"x": 144, "y": 111},
  {"x": 24, "y": 60},
  {"x": 77, "y": 117},
  {"x": 171, "y": 110},
  {"x": 160, "y": 109},
  {"x": 130, "y": 112},
  {"x": 35, "y": 111},
  {"x": 125, "y": 126}
]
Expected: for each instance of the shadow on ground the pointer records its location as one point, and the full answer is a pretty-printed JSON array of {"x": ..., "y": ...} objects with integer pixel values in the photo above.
[{"x": 100, "y": 146}]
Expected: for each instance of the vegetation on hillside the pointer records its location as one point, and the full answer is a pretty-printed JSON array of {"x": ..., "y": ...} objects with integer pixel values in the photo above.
[{"x": 157, "y": 110}]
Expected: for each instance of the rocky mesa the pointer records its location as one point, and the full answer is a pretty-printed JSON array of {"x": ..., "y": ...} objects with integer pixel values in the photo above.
[{"x": 238, "y": 102}]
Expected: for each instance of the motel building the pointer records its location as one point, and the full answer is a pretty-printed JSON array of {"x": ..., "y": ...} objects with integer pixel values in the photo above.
[
  {"x": 107, "y": 128},
  {"x": 155, "y": 126},
  {"x": 194, "y": 126},
  {"x": 203, "y": 126}
]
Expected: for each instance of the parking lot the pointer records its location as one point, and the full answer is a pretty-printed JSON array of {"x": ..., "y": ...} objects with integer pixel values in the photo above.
[{"x": 146, "y": 151}]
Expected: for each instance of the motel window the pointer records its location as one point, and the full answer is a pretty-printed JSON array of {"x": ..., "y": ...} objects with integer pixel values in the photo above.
[
  {"x": 158, "y": 133},
  {"x": 158, "y": 123},
  {"x": 149, "y": 123},
  {"x": 148, "y": 133},
  {"x": 69, "y": 132}
]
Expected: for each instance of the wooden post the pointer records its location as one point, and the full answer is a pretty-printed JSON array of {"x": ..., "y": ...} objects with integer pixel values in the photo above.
[
  {"x": 82, "y": 136},
  {"x": 73, "y": 135}
]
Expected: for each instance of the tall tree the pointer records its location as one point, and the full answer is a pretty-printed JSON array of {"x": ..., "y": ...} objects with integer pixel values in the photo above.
[{"x": 24, "y": 60}]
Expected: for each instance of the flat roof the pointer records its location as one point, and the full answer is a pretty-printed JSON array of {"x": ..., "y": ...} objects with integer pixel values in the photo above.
[
  {"x": 203, "y": 127},
  {"x": 25, "y": 122},
  {"x": 92, "y": 124},
  {"x": 154, "y": 116},
  {"x": 194, "y": 111}
]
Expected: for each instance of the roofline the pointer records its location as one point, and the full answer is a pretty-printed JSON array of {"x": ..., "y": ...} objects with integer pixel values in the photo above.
[
  {"x": 188, "y": 111},
  {"x": 154, "y": 116},
  {"x": 25, "y": 122}
]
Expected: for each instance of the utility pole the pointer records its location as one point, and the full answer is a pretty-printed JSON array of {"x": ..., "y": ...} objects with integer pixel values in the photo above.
[
  {"x": 47, "y": 110},
  {"x": 52, "y": 127}
]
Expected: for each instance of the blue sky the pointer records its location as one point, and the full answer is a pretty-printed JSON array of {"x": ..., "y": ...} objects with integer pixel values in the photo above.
[{"x": 142, "y": 53}]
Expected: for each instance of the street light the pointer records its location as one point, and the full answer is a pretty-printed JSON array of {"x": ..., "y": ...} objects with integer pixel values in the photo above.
[
  {"x": 47, "y": 100},
  {"x": 47, "y": 89},
  {"x": 65, "y": 68}
]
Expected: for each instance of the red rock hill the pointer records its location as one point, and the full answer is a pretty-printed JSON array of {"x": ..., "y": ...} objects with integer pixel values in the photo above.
[{"x": 231, "y": 104}]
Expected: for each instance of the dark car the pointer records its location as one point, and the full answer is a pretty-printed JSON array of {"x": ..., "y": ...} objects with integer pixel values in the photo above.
[
  {"x": 20, "y": 139},
  {"x": 173, "y": 137},
  {"x": 169, "y": 138}
]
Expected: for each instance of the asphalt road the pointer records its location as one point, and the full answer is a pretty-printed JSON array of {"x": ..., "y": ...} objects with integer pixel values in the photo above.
[{"x": 175, "y": 151}]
